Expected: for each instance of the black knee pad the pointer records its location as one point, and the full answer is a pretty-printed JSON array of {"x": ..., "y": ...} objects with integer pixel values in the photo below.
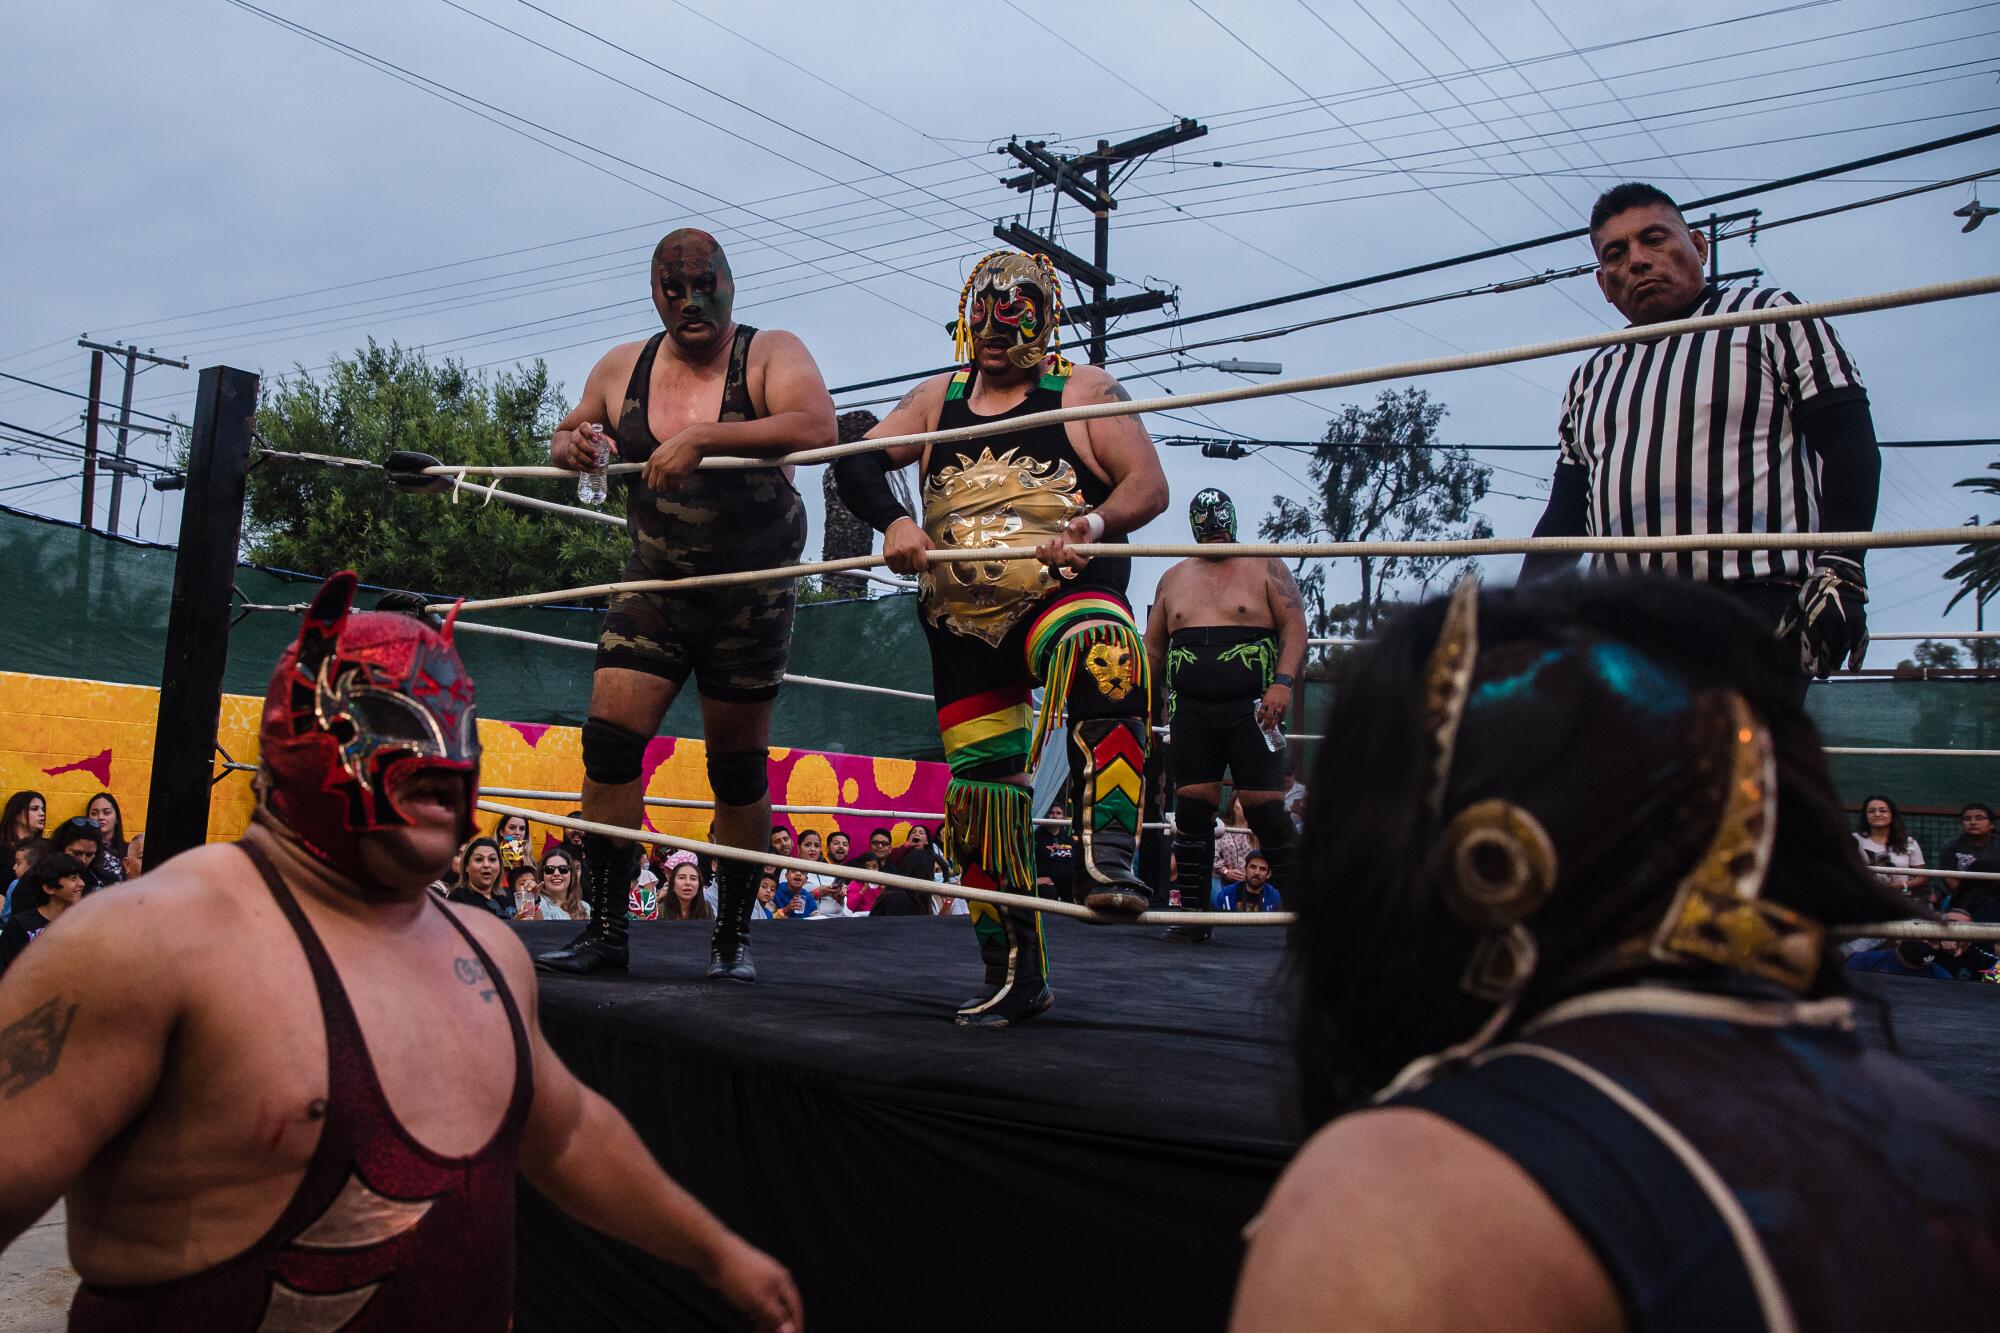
[
  {"x": 1194, "y": 818},
  {"x": 611, "y": 754},
  {"x": 738, "y": 777},
  {"x": 1273, "y": 827}
]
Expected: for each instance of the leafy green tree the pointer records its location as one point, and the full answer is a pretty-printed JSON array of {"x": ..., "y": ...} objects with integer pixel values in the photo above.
[
  {"x": 317, "y": 519},
  {"x": 1381, "y": 472},
  {"x": 1934, "y": 656}
]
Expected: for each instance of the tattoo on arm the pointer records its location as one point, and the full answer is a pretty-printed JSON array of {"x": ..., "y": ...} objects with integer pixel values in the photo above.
[
  {"x": 31, "y": 1045},
  {"x": 907, "y": 400},
  {"x": 1282, "y": 584},
  {"x": 1115, "y": 392},
  {"x": 473, "y": 973}
]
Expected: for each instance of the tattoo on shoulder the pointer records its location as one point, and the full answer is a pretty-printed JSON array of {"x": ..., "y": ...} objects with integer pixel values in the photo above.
[
  {"x": 472, "y": 972},
  {"x": 1114, "y": 392},
  {"x": 31, "y": 1045},
  {"x": 908, "y": 399}
]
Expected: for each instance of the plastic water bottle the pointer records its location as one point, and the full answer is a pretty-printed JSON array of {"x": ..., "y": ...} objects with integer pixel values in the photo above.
[
  {"x": 592, "y": 485},
  {"x": 1274, "y": 735}
]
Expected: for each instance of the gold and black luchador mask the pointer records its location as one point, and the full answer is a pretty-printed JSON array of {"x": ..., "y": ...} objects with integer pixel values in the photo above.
[{"x": 1014, "y": 296}]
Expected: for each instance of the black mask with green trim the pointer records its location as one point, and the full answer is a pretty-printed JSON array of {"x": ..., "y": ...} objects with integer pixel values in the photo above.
[{"x": 1212, "y": 515}]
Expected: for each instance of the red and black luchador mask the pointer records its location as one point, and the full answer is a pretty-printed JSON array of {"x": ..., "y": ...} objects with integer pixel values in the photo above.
[{"x": 358, "y": 705}]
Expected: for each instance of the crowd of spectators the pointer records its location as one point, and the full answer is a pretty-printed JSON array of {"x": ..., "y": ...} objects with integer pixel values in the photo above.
[
  {"x": 51, "y": 869},
  {"x": 1884, "y": 841},
  {"x": 498, "y": 872}
]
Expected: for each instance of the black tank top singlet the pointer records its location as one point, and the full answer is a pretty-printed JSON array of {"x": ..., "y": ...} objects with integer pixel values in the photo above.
[{"x": 719, "y": 521}]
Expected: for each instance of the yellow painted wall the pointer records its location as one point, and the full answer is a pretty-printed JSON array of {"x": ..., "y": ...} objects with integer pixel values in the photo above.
[{"x": 70, "y": 739}]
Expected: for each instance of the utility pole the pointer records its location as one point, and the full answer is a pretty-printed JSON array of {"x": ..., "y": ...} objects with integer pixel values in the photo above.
[
  {"x": 117, "y": 469},
  {"x": 1087, "y": 179},
  {"x": 90, "y": 418}
]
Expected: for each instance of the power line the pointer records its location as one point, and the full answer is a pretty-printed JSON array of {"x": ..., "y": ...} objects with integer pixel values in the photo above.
[
  {"x": 1164, "y": 208},
  {"x": 1734, "y": 109},
  {"x": 71, "y": 393},
  {"x": 1199, "y": 217},
  {"x": 832, "y": 148},
  {"x": 1356, "y": 94},
  {"x": 711, "y": 92},
  {"x": 1759, "y": 76},
  {"x": 1564, "y": 38},
  {"x": 1284, "y": 109},
  {"x": 1334, "y": 116},
  {"x": 1207, "y": 220},
  {"x": 1455, "y": 261},
  {"x": 429, "y": 84},
  {"x": 1592, "y": 315}
]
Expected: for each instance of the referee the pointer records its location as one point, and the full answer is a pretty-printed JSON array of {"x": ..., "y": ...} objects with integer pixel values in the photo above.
[{"x": 1758, "y": 429}]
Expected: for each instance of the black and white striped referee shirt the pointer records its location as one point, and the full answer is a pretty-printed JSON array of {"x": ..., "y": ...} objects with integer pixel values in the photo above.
[{"x": 1699, "y": 433}]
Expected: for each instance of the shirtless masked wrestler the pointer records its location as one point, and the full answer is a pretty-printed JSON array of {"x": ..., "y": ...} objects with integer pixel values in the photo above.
[
  {"x": 282, "y": 1085},
  {"x": 1227, "y": 634}
]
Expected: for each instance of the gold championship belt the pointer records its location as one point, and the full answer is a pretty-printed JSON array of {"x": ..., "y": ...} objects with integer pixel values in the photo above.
[{"x": 1004, "y": 501}]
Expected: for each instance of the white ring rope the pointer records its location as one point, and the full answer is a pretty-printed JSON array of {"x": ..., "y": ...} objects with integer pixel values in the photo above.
[
  {"x": 918, "y": 696},
  {"x": 558, "y": 641},
  {"x": 1910, "y": 872},
  {"x": 1884, "y": 637},
  {"x": 1851, "y": 305},
  {"x": 1668, "y": 543},
  {"x": 1906, "y": 753},
  {"x": 858, "y": 811},
  {"x": 1912, "y": 929},
  {"x": 997, "y": 897},
  {"x": 1971, "y": 931}
]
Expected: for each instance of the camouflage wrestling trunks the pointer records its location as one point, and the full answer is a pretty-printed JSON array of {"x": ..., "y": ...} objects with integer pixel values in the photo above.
[{"x": 733, "y": 639}]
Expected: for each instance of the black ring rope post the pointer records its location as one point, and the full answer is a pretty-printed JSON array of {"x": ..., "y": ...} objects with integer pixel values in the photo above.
[{"x": 198, "y": 617}]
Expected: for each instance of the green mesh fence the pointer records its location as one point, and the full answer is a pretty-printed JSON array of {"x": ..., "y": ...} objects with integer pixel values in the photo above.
[
  {"x": 1904, "y": 714},
  {"x": 91, "y": 606}
]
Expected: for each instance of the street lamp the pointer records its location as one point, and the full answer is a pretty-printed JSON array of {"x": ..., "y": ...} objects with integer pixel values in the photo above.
[{"x": 1235, "y": 367}]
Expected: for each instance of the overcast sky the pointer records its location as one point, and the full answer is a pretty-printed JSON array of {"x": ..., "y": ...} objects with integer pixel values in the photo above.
[{"x": 202, "y": 180}]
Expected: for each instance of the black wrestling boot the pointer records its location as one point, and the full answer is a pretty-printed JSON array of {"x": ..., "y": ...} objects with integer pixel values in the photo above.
[
  {"x": 1107, "y": 768},
  {"x": 1020, "y": 982},
  {"x": 608, "y": 867},
  {"x": 729, "y": 946}
]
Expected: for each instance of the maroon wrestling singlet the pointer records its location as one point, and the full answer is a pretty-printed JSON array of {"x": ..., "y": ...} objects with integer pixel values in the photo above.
[{"x": 381, "y": 1234}]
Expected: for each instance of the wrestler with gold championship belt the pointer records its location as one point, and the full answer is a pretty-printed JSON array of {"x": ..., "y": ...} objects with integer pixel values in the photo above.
[{"x": 999, "y": 628}]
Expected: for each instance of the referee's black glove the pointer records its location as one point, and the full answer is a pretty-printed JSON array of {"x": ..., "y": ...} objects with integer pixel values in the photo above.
[{"x": 1830, "y": 619}]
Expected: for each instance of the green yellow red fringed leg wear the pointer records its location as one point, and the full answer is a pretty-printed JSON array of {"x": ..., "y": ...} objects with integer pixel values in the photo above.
[{"x": 989, "y": 834}]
